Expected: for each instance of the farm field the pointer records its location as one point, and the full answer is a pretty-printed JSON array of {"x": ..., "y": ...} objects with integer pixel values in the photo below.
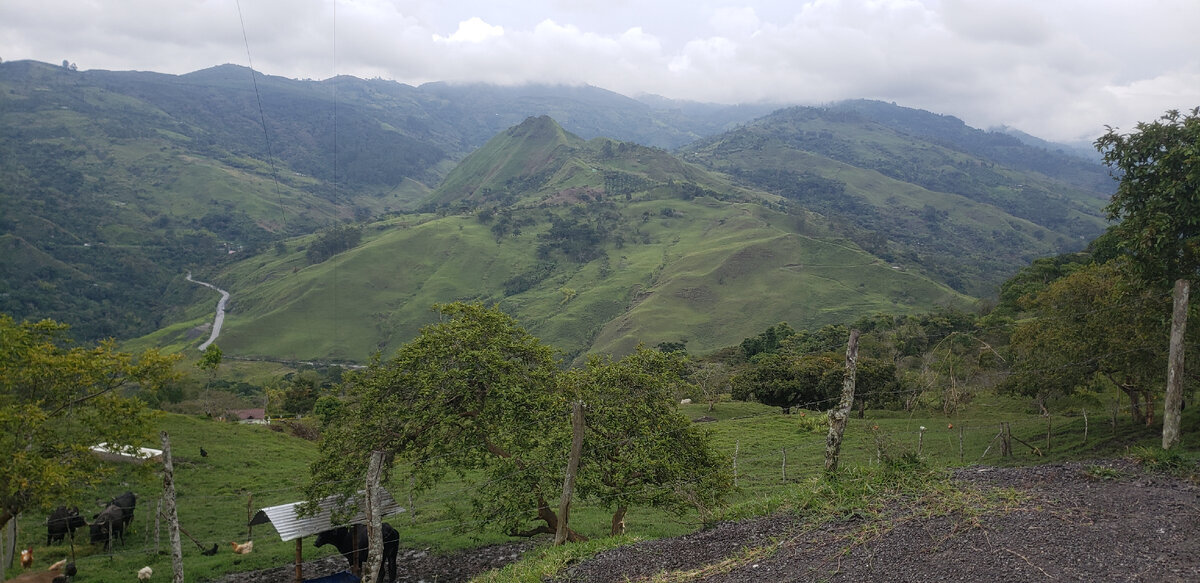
[{"x": 249, "y": 467}]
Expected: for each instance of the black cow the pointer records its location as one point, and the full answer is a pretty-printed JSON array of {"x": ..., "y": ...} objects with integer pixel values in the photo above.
[
  {"x": 108, "y": 525},
  {"x": 63, "y": 522},
  {"x": 126, "y": 502},
  {"x": 356, "y": 551}
]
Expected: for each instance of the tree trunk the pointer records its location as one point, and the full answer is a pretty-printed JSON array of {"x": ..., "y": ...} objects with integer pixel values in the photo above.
[
  {"x": 1173, "y": 403},
  {"x": 171, "y": 509},
  {"x": 564, "y": 507},
  {"x": 618, "y": 521},
  {"x": 374, "y": 501},
  {"x": 1135, "y": 406},
  {"x": 837, "y": 417}
]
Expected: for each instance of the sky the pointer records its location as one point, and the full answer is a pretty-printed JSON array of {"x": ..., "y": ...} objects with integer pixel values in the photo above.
[{"x": 1062, "y": 70}]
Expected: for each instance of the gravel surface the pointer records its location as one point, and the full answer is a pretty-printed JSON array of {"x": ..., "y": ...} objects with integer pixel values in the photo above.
[{"x": 1062, "y": 524}]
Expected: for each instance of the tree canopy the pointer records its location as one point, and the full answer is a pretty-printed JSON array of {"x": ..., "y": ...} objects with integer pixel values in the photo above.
[
  {"x": 1158, "y": 199},
  {"x": 58, "y": 400},
  {"x": 1093, "y": 322},
  {"x": 477, "y": 395}
]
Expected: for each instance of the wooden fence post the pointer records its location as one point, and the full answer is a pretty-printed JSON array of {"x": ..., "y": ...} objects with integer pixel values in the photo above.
[
  {"x": 374, "y": 517},
  {"x": 736, "y": 446},
  {"x": 1049, "y": 425},
  {"x": 960, "y": 444},
  {"x": 783, "y": 466},
  {"x": 1085, "y": 426},
  {"x": 172, "y": 513},
  {"x": 157, "y": 525},
  {"x": 837, "y": 417},
  {"x": 564, "y": 504},
  {"x": 8, "y": 540},
  {"x": 299, "y": 578}
]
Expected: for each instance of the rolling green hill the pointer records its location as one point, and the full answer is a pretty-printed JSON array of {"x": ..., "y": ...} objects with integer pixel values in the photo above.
[
  {"x": 115, "y": 184},
  {"x": 157, "y": 174},
  {"x": 969, "y": 207},
  {"x": 594, "y": 245}
]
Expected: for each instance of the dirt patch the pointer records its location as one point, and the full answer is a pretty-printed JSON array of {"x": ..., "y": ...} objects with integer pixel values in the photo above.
[
  {"x": 1080, "y": 521},
  {"x": 1066, "y": 526},
  {"x": 414, "y": 565}
]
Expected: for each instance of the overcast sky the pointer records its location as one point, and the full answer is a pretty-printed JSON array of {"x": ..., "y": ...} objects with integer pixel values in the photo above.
[{"x": 1058, "y": 69}]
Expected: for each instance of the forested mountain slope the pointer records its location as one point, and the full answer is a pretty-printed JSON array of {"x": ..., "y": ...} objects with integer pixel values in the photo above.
[{"x": 115, "y": 184}]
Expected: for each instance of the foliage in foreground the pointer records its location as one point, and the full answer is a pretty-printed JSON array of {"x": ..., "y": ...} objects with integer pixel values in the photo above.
[
  {"x": 59, "y": 400},
  {"x": 478, "y": 397}
]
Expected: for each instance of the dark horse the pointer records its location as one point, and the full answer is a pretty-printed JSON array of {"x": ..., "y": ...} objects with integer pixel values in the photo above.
[{"x": 355, "y": 548}]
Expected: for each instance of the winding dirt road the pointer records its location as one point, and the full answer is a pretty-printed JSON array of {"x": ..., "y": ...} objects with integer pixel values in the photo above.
[{"x": 219, "y": 320}]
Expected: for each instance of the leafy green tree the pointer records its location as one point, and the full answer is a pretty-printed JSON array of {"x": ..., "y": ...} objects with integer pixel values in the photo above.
[
  {"x": 477, "y": 395},
  {"x": 473, "y": 393},
  {"x": 767, "y": 341},
  {"x": 1091, "y": 323},
  {"x": 786, "y": 381},
  {"x": 56, "y": 401},
  {"x": 1158, "y": 204},
  {"x": 638, "y": 449},
  {"x": 210, "y": 361}
]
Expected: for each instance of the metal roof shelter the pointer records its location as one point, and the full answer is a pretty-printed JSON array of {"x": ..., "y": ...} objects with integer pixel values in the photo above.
[{"x": 291, "y": 526}]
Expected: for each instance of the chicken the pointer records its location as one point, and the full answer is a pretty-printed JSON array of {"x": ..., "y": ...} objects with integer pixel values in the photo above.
[
  {"x": 58, "y": 572},
  {"x": 210, "y": 552},
  {"x": 243, "y": 548},
  {"x": 27, "y": 557},
  {"x": 145, "y": 573}
]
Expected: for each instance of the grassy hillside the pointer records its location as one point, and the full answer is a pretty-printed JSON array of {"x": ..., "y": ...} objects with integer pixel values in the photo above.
[
  {"x": 164, "y": 173},
  {"x": 595, "y": 246},
  {"x": 970, "y": 207}
]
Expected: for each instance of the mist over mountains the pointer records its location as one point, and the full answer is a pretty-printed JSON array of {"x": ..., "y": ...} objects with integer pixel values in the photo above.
[{"x": 598, "y": 219}]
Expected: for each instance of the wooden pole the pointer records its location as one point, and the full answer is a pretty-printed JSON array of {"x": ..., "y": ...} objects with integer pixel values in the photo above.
[
  {"x": 1173, "y": 403},
  {"x": 1049, "y": 426},
  {"x": 564, "y": 505},
  {"x": 157, "y": 525},
  {"x": 736, "y": 446},
  {"x": 837, "y": 417},
  {"x": 1085, "y": 426},
  {"x": 249, "y": 517},
  {"x": 374, "y": 501},
  {"x": 299, "y": 561},
  {"x": 960, "y": 444},
  {"x": 8, "y": 539},
  {"x": 171, "y": 511},
  {"x": 783, "y": 463}
]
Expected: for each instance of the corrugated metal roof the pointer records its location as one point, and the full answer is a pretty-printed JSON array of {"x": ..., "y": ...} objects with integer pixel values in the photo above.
[{"x": 291, "y": 526}]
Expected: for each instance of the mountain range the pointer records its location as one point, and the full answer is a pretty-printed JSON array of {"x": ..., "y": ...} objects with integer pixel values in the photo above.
[{"x": 336, "y": 212}]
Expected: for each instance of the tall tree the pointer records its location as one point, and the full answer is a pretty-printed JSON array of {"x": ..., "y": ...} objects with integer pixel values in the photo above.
[
  {"x": 474, "y": 394},
  {"x": 639, "y": 450},
  {"x": 1091, "y": 323},
  {"x": 58, "y": 400},
  {"x": 1158, "y": 204}
]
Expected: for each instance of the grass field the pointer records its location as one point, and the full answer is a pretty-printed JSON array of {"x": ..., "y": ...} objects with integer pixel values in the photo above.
[{"x": 779, "y": 460}]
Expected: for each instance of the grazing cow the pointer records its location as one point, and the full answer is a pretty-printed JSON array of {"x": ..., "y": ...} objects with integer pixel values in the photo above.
[
  {"x": 126, "y": 502},
  {"x": 355, "y": 549},
  {"x": 108, "y": 525},
  {"x": 63, "y": 522}
]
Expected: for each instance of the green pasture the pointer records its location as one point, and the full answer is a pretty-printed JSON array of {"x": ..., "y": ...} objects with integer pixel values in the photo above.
[{"x": 779, "y": 460}]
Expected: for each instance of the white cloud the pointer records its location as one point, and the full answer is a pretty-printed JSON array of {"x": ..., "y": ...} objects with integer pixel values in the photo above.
[
  {"x": 1060, "y": 69},
  {"x": 473, "y": 30}
]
